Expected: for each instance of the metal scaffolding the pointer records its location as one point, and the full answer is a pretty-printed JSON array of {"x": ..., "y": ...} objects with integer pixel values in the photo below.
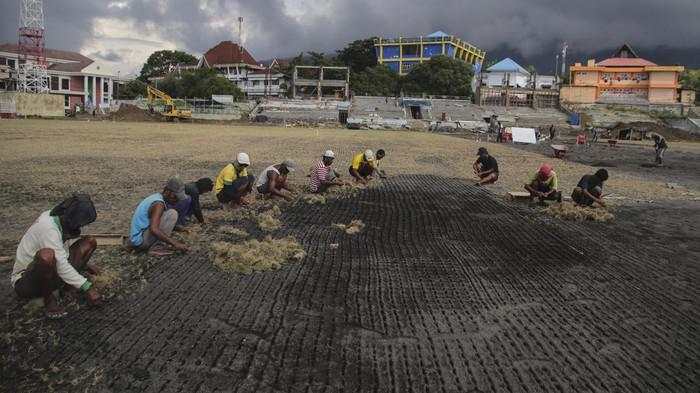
[{"x": 32, "y": 76}]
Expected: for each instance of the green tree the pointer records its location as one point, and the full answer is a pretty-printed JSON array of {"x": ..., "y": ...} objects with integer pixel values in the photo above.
[
  {"x": 440, "y": 75},
  {"x": 358, "y": 55},
  {"x": 159, "y": 63},
  {"x": 201, "y": 83},
  {"x": 690, "y": 79},
  {"x": 378, "y": 80},
  {"x": 131, "y": 90}
]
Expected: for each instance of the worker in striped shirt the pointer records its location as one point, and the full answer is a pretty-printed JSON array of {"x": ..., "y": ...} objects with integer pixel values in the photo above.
[{"x": 322, "y": 175}]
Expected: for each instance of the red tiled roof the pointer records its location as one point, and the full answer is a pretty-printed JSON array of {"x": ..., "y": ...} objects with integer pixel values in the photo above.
[
  {"x": 625, "y": 62},
  {"x": 227, "y": 52},
  {"x": 77, "y": 61}
]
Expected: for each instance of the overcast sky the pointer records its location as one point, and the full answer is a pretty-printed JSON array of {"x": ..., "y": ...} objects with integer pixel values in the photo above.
[{"x": 124, "y": 32}]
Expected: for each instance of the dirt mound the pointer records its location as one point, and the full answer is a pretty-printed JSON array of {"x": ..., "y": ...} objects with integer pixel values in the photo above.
[
  {"x": 670, "y": 133},
  {"x": 128, "y": 112}
]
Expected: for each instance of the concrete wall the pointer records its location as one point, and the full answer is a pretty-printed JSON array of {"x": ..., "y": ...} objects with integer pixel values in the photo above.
[
  {"x": 42, "y": 105},
  {"x": 664, "y": 96},
  {"x": 660, "y": 78},
  {"x": 577, "y": 94},
  {"x": 494, "y": 79},
  {"x": 586, "y": 78}
]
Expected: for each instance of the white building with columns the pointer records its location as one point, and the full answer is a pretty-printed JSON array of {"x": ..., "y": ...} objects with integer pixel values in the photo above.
[{"x": 82, "y": 81}]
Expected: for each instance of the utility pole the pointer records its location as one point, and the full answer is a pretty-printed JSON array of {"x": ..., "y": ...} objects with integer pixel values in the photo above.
[
  {"x": 563, "y": 58},
  {"x": 556, "y": 69},
  {"x": 240, "y": 31}
]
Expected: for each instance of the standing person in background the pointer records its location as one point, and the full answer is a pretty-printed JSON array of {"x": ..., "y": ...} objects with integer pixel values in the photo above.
[
  {"x": 485, "y": 167},
  {"x": 589, "y": 189},
  {"x": 322, "y": 175},
  {"x": 44, "y": 262},
  {"x": 660, "y": 147},
  {"x": 233, "y": 182},
  {"x": 552, "y": 132}
]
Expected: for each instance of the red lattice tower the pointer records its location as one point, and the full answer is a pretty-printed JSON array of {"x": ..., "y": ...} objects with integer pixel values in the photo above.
[{"x": 31, "y": 57}]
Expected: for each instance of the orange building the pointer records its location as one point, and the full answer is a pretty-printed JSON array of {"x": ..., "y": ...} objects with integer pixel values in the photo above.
[{"x": 624, "y": 78}]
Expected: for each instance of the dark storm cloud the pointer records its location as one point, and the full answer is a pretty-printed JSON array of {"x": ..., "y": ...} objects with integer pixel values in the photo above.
[{"x": 531, "y": 26}]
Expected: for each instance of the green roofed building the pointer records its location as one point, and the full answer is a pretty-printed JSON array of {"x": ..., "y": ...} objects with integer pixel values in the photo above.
[{"x": 401, "y": 54}]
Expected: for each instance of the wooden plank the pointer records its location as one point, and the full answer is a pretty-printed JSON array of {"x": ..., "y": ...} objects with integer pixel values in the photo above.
[{"x": 517, "y": 195}]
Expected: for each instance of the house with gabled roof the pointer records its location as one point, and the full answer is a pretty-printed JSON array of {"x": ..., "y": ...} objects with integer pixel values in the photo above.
[
  {"x": 624, "y": 78},
  {"x": 234, "y": 62},
  {"x": 81, "y": 80}
]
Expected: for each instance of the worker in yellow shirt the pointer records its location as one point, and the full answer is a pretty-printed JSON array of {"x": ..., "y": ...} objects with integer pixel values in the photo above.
[
  {"x": 233, "y": 182},
  {"x": 362, "y": 166},
  {"x": 544, "y": 185}
]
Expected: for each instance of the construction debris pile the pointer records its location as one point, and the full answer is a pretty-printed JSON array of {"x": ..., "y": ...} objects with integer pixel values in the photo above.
[{"x": 129, "y": 112}]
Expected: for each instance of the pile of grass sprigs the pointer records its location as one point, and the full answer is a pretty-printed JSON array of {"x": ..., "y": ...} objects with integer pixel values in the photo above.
[
  {"x": 571, "y": 212},
  {"x": 256, "y": 255},
  {"x": 355, "y": 226}
]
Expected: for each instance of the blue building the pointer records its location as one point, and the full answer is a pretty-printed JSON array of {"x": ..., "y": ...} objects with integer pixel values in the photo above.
[{"x": 401, "y": 54}]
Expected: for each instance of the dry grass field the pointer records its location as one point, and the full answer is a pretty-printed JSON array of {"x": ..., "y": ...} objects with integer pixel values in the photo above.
[
  {"x": 422, "y": 282},
  {"x": 41, "y": 161}
]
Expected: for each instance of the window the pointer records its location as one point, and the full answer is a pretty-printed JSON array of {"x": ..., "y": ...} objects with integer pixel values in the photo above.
[
  {"x": 12, "y": 63},
  {"x": 54, "y": 83},
  {"x": 256, "y": 83},
  {"x": 65, "y": 84},
  {"x": 105, "y": 87},
  {"x": 275, "y": 82},
  {"x": 66, "y": 101}
]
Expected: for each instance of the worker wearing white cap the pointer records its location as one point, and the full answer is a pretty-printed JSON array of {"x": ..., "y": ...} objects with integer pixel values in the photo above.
[
  {"x": 233, "y": 182},
  {"x": 362, "y": 166},
  {"x": 322, "y": 175},
  {"x": 273, "y": 180}
]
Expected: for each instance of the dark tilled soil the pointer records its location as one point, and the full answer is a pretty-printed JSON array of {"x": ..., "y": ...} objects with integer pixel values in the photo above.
[
  {"x": 681, "y": 164},
  {"x": 447, "y": 289}
]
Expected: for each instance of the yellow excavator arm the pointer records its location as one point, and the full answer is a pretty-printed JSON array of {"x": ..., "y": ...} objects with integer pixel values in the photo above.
[{"x": 170, "y": 111}]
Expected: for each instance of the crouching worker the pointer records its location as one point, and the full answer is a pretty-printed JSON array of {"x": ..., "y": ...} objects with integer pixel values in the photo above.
[
  {"x": 153, "y": 221},
  {"x": 362, "y": 166},
  {"x": 43, "y": 263},
  {"x": 273, "y": 180},
  {"x": 380, "y": 172},
  {"x": 485, "y": 167},
  {"x": 190, "y": 206},
  {"x": 233, "y": 182},
  {"x": 590, "y": 189},
  {"x": 544, "y": 185},
  {"x": 322, "y": 175}
]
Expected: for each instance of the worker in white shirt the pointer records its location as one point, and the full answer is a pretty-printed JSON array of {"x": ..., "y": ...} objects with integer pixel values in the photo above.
[{"x": 44, "y": 262}]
